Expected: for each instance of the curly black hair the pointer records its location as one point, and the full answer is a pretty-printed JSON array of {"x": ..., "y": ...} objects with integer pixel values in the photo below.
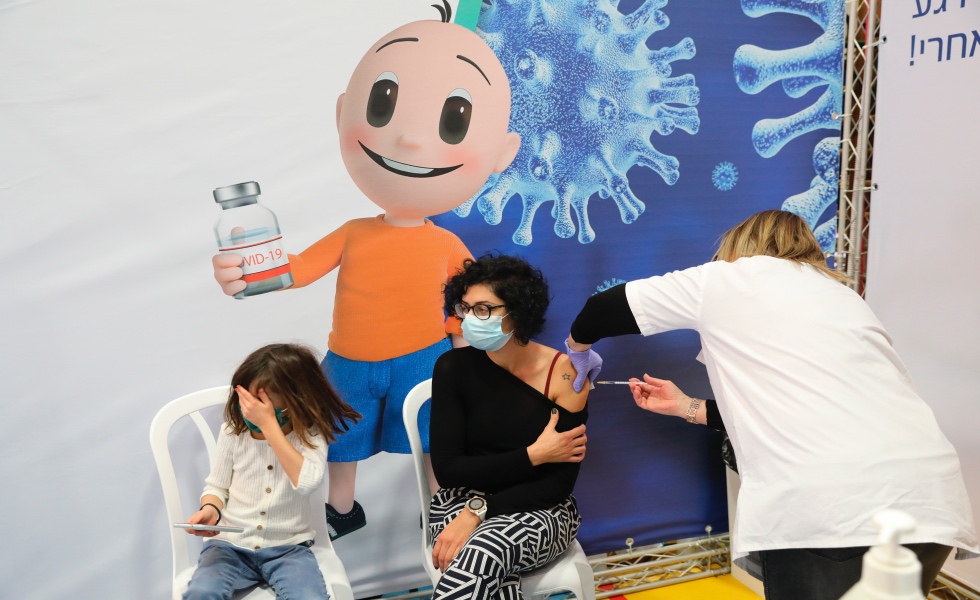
[{"x": 522, "y": 288}]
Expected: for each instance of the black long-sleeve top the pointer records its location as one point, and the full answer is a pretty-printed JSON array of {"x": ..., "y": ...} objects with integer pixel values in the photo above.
[
  {"x": 608, "y": 314},
  {"x": 483, "y": 419}
]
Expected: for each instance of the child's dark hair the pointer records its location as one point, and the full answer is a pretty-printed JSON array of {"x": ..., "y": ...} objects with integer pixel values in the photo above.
[
  {"x": 293, "y": 373},
  {"x": 522, "y": 288}
]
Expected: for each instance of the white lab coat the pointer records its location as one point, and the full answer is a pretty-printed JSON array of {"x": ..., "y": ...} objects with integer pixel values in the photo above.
[{"x": 825, "y": 421}]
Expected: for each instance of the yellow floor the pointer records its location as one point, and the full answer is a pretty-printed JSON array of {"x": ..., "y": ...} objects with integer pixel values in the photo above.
[{"x": 711, "y": 588}]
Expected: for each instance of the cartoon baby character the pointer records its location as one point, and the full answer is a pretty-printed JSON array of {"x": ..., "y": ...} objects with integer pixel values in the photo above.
[{"x": 422, "y": 125}]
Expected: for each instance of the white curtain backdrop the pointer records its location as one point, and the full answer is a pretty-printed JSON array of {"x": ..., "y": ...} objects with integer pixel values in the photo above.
[
  {"x": 923, "y": 275},
  {"x": 117, "y": 119}
]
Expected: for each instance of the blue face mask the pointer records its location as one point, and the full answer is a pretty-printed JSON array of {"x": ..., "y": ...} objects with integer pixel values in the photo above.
[
  {"x": 485, "y": 335},
  {"x": 282, "y": 420}
]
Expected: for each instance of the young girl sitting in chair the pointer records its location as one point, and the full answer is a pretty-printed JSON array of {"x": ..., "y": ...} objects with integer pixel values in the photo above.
[{"x": 271, "y": 452}]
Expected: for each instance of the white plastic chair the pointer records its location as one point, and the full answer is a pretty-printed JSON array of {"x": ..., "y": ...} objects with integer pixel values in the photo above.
[
  {"x": 570, "y": 572},
  {"x": 190, "y": 405}
]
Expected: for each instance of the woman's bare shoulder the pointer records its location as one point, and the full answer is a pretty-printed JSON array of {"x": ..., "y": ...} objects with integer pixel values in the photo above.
[{"x": 562, "y": 392}]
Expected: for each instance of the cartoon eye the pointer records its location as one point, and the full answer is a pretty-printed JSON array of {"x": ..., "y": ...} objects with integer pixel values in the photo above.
[
  {"x": 456, "y": 114},
  {"x": 381, "y": 102}
]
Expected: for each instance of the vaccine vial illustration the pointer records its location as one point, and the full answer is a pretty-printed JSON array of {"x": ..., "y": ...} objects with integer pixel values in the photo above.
[{"x": 250, "y": 230}]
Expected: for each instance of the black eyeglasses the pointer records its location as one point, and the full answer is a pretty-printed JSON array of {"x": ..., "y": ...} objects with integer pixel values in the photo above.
[{"x": 480, "y": 311}]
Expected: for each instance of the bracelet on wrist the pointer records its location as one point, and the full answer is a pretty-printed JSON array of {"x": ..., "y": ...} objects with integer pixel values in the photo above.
[
  {"x": 692, "y": 410},
  {"x": 215, "y": 508}
]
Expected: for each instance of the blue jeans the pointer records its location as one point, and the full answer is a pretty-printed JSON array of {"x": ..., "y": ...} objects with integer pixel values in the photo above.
[{"x": 224, "y": 569}]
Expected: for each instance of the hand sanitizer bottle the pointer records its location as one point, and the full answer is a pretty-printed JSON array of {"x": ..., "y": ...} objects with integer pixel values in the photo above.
[
  {"x": 250, "y": 230},
  {"x": 889, "y": 571}
]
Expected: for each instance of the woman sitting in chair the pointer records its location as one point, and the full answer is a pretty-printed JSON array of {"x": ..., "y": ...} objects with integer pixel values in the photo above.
[{"x": 507, "y": 435}]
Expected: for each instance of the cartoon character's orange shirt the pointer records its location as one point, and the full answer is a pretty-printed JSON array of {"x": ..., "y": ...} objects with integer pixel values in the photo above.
[{"x": 389, "y": 286}]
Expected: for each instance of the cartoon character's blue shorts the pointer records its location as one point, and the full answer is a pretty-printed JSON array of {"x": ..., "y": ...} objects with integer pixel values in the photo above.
[{"x": 377, "y": 390}]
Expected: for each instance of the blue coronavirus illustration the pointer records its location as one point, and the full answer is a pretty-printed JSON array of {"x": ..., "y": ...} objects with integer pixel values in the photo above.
[
  {"x": 608, "y": 283},
  {"x": 822, "y": 193},
  {"x": 724, "y": 176},
  {"x": 587, "y": 96},
  {"x": 801, "y": 69}
]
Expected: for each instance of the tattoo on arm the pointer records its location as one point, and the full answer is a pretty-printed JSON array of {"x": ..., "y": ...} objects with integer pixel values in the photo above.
[{"x": 566, "y": 376}]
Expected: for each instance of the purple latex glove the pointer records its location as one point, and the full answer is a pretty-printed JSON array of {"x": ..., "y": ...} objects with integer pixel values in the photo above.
[{"x": 587, "y": 364}]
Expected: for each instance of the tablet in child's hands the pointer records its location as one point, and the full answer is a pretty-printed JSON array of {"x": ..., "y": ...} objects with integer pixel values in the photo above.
[{"x": 200, "y": 527}]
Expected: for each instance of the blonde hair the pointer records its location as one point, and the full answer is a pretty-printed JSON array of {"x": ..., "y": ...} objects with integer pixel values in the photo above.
[{"x": 775, "y": 233}]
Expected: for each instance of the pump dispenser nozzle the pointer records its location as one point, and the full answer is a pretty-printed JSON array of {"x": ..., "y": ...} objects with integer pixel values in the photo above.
[
  {"x": 890, "y": 571},
  {"x": 891, "y": 525}
]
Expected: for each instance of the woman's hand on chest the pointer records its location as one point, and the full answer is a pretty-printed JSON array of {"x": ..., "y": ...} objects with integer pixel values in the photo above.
[{"x": 553, "y": 446}]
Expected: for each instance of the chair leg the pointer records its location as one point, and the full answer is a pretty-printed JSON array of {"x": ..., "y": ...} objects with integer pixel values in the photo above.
[{"x": 586, "y": 582}]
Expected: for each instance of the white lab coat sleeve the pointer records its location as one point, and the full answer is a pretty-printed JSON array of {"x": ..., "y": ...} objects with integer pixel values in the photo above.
[{"x": 667, "y": 302}]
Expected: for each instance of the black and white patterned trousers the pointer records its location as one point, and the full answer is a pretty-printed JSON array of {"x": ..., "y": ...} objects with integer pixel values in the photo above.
[{"x": 490, "y": 564}]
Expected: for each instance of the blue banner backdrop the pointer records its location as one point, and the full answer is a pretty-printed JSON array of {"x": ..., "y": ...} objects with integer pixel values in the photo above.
[{"x": 648, "y": 130}]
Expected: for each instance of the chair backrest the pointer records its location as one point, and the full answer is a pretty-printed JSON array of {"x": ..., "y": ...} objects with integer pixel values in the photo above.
[
  {"x": 410, "y": 415},
  {"x": 571, "y": 572},
  {"x": 191, "y": 406},
  {"x": 185, "y": 406}
]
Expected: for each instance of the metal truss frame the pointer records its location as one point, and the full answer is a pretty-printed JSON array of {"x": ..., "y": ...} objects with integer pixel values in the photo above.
[
  {"x": 949, "y": 588},
  {"x": 857, "y": 139},
  {"x": 648, "y": 567}
]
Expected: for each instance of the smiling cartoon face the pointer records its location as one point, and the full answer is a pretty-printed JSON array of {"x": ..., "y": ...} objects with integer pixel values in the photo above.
[{"x": 423, "y": 122}]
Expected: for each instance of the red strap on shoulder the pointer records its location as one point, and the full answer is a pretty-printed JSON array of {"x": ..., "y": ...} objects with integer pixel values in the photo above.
[{"x": 547, "y": 383}]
